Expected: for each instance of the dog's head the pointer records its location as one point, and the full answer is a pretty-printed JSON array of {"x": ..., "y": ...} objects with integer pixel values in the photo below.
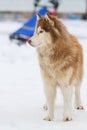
[{"x": 45, "y": 31}]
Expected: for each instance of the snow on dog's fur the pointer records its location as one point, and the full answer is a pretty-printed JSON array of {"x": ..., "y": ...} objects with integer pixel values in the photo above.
[{"x": 61, "y": 61}]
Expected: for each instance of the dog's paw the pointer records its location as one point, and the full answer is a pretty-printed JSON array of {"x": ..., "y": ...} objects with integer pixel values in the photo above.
[
  {"x": 67, "y": 118},
  {"x": 45, "y": 107},
  {"x": 80, "y": 107},
  {"x": 48, "y": 118}
]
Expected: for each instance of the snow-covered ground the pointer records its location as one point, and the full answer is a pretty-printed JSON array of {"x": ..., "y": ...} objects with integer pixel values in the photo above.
[{"x": 21, "y": 87}]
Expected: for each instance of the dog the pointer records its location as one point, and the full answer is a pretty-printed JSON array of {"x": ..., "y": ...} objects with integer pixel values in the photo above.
[{"x": 61, "y": 62}]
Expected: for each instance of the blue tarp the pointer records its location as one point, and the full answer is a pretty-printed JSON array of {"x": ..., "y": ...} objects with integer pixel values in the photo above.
[{"x": 28, "y": 28}]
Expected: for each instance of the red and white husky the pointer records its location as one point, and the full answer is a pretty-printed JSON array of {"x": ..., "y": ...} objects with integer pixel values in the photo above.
[{"x": 61, "y": 61}]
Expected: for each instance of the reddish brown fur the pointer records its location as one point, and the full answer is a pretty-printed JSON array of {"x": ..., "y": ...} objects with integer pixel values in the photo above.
[
  {"x": 65, "y": 48},
  {"x": 61, "y": 63}
]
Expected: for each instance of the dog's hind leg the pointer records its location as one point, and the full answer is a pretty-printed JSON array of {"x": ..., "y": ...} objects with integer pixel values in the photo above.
[
  {"x": 45, "y": 107},
  {"x": 78, "y": 103}
]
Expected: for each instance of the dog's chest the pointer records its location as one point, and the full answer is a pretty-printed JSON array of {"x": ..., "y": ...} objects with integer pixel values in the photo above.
[{"x": 53, "y": 70}]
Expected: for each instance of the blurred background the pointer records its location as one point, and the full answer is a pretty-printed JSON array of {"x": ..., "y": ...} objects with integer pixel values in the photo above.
[{"x": 20, "y": 8}]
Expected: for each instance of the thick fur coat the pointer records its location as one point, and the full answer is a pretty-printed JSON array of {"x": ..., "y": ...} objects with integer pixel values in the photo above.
[{"x": 61, "y": 62}]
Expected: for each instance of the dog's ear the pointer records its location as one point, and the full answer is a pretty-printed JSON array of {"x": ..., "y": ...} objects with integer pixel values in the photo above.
[
  {"x": 38, "y": 16},
  {"x": 48, "y": 17}
]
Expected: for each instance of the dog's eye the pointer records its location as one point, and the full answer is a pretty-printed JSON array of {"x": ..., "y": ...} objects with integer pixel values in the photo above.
[{"x": 41, "y": 31}]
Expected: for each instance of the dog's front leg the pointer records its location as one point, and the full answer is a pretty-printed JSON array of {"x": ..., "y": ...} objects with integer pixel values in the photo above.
[
  {"x": 67, "y": 96},
  {"x": 50, "y": 92}
]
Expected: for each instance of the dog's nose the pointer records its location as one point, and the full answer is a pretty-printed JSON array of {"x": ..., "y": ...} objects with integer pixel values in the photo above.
[{"x": 29, "y": 41}]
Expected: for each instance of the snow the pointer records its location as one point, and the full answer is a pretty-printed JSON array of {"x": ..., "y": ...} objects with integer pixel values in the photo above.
[{"x": 21, "y": 87}]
